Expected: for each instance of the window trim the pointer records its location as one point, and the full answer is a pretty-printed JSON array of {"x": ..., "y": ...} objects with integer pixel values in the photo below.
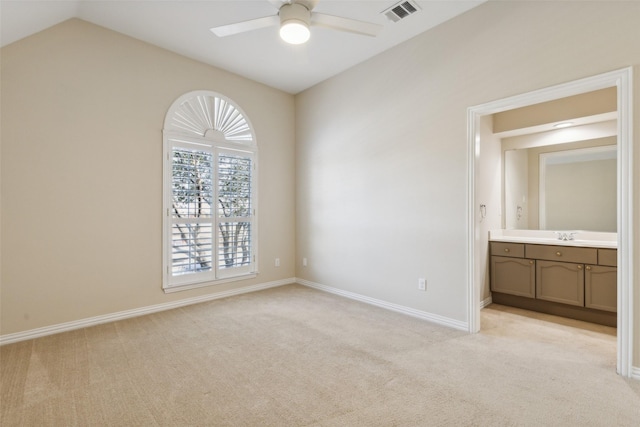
[{"x": 210, "y": 140}]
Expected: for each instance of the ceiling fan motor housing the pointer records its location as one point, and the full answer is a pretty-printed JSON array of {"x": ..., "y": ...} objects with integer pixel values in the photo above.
[{"x": 295, "y": 12}]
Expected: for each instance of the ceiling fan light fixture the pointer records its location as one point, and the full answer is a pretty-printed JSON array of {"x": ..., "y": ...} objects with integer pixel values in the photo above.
[
  {"x": 294, "y": 23},
  {"x": 294, "y": 32}
]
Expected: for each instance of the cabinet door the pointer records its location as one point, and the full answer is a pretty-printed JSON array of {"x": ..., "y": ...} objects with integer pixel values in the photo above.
[
  {"x": 560, "y": 282},
  {"x": 600, "y": 287},
  {"x": 513, "y": 276}
]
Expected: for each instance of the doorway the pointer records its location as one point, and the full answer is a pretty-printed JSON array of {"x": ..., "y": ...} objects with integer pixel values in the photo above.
[{"x": 621, "y": 80}]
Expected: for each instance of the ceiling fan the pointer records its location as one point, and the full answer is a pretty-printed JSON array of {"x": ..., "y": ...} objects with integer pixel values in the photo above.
[{"x": 295, "y": 17}]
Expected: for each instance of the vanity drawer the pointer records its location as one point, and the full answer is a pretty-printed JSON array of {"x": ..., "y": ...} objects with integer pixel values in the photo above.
[
  {"x": 563, "y": 253},
  {"x": 608, "y": 257},
  {"x": 514, "y": 250}
]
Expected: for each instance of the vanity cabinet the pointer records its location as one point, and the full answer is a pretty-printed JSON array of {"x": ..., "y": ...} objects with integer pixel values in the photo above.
[
  {"x": 571, "y": 281},
  {"x": 561, "y": 282},
  {"x": 560, "y": 272},
  {"x": 600, "y": 282},
  {"x": 600, "y": 288},
  {"x": 510, "y": 272}
]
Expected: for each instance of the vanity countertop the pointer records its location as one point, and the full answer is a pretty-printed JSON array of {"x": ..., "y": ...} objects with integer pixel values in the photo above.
[{"x": 543, "y": 237}]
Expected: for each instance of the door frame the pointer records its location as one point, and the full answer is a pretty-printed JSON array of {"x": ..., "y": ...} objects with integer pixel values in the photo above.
[{"x": 623, "y": 80}]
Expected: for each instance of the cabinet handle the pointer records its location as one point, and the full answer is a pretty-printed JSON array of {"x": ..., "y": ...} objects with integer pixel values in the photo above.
[
  {"x": 531, "y": 262},
  {"x": 579, "y": 266},
  {"x": 559, "y": 253},
  {"x": 506, "y": 249},
  {"x": 588, "y": 268}
]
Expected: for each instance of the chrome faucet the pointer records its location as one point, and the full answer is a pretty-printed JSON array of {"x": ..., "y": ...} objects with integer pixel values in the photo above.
[{"x": 565, "y": 236}]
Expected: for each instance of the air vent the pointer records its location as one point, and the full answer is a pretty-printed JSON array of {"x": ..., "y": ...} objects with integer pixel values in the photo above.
[{"x": 401, "y": 10}]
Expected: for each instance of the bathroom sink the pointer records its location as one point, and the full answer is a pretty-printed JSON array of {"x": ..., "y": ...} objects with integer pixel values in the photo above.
[{"x": 548, "y": 237}]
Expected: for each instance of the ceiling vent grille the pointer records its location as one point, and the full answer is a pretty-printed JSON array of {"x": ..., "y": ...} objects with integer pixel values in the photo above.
[{"x": 401, "y": 10}]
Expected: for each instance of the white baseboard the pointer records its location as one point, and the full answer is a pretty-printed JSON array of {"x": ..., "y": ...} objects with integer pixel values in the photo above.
[
  {"x": 112, "y": 317},
  {"x": 440, "y": 320},
  {"x": 635, "y": 373},
  {"x": 485, "y": 302}
]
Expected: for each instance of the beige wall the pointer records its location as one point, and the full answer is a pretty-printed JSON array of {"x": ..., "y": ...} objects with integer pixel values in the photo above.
[
  {"x": 82, "y": 116},
  {"x": 382, "y": 148}
]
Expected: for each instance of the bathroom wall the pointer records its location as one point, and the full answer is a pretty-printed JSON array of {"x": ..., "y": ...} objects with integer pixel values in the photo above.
[{"x": 516, "y": 189}]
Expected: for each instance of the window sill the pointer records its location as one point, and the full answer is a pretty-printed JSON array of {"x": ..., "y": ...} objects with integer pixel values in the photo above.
[{"x": 188, "y": 286}]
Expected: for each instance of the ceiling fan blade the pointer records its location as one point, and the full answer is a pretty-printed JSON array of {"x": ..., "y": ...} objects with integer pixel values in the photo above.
[
  {"x": 345, "y": 24},
  {"x": 244, "y": 26}
]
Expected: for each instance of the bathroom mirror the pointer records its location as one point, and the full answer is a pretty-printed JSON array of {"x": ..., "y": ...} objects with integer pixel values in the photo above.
[{"x": 562, "y": 187}]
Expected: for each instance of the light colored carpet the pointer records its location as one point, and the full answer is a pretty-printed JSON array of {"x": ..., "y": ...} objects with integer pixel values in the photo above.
[{"x": 294, "y": 356}]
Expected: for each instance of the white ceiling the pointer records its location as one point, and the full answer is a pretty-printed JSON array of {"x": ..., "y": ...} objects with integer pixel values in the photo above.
[{"x": 182, "y": 26}]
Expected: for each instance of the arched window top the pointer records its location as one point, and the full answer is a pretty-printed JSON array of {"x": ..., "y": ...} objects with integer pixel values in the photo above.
[{"x": 209, "y": 115}]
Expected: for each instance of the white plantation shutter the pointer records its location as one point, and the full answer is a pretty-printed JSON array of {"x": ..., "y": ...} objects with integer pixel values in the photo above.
[
  {"x": 235, "y": 210},
  {"x": 200, "y": 113},
  {"x": 191, "y": 216},
  {"x": 210, "y": 193}
]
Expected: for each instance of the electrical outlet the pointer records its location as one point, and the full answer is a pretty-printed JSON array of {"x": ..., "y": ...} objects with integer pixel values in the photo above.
[
  {"x": 304, "y": 262},
  {"x": 277, "y": 262},
  {"x": 422, "y": 284}
]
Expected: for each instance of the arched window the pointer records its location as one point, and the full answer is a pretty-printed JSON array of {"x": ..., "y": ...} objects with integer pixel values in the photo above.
[{"x": 209, "y": 203}]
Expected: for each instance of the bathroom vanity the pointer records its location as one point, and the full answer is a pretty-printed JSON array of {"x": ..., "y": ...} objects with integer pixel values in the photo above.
[{"x": 535, "y": 270}]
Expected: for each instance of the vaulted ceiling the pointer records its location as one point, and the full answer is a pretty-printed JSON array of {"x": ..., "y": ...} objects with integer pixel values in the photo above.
[{"x": 182, "y": 26}]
